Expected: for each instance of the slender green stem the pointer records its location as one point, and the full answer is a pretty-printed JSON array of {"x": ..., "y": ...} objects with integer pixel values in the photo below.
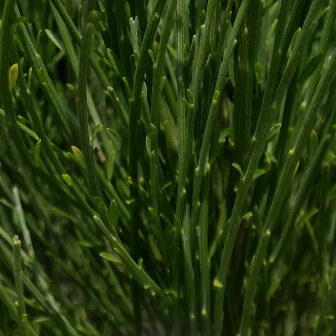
[
  {"x": 204, "y": 258},
  {"x": 19, "y": 287},
  {"x": 155, "y": 121},
  {"x": 181, "y": 56},
  {"x": 245, "y": 58},
  {"x": 66, "y": 17},
  {"x": 189, "y": 272},
  {"x": 83, "y": 107},
  {"x": 68, "y": 44}
]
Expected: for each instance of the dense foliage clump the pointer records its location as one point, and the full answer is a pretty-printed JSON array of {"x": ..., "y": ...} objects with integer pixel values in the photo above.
[{"x": 167, "y": 167}]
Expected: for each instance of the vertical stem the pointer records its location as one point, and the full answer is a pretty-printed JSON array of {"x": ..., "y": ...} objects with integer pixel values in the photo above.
[
  {"x": 83, "y": 108},
  {"x": 204, "y": 258},
  {"x": 189, "y": 272},
  {"x": 181, "y": 57},
  {"x": 19, "y": 287}
]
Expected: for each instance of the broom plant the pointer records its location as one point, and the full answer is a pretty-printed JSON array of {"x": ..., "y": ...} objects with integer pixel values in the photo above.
[{"x": 167, "y": 167}]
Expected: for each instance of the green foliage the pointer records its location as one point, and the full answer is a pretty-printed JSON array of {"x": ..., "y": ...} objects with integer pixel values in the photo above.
[{"x": 167, "y": 167}]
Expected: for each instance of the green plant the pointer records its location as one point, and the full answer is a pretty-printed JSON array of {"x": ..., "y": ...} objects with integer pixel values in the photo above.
[{"x": 169, "y": 167}]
